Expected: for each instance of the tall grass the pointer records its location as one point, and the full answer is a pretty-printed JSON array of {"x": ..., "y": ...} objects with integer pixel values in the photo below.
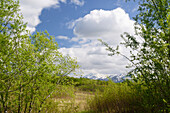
[
  {"x": 116, "y": 98},
  {"x": 62, "y": 100}
]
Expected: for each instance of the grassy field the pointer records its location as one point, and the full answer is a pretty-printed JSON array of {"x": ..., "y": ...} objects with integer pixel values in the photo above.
[
  {"x": 70, "y": 100},
  {"x": 77, "y": 103},
  {"x": 74, "y": 95},
  {"x": 83, "y": 95},
  {"x": 93, "y": 96}
]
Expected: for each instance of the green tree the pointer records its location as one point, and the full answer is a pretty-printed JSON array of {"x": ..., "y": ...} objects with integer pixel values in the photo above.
[
  {"x": 151, "y": 57},
  {"x": 29, "y": 64}
]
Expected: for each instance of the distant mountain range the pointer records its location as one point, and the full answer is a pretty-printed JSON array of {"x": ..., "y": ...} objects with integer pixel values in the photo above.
[{"x": 116, "y": 78}]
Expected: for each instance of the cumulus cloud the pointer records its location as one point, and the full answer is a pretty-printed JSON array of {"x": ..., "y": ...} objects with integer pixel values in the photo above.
[
  {"x": 31, "y": 10},
  {"x": 93, "y": 58},
  {"x": 107, "y": 25},
  {"x": 104, "y": 24}
]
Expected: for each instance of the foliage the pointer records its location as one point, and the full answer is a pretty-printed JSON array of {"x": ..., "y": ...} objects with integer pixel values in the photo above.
[
  {"x": 150, "y": 57},
  {"x": 29, "y": 64},
  {"x": 85, "y": 84}
]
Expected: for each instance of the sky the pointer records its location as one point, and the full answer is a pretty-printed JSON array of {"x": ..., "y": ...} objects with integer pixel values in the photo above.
[{"x": 78, "y": 24}]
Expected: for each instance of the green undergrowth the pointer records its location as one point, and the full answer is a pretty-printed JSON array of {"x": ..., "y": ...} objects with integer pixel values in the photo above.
[
  {"x": 85, "y": 84},
  {"x": 64, "y": 99},
  {"x": 126, "y": 97},
  {"x": 116, "y": 98},
  {"x": 82, "y": 95}
]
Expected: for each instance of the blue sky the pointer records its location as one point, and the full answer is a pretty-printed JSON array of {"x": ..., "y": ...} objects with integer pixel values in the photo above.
[
  {"x": 55, "y": 20},
  {"x": 77, "y": 24}
]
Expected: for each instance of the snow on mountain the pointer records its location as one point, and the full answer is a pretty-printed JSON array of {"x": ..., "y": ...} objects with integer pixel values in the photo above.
[{"x": 116, "y": 78}]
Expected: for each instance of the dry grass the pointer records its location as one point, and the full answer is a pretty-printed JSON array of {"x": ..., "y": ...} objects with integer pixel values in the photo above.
[
  {"x": 74, "y": 104},
  {"x": 81, "y": 99}
]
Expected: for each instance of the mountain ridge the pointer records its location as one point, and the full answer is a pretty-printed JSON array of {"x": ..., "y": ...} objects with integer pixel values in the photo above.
[{"x": 117, "y": 78}]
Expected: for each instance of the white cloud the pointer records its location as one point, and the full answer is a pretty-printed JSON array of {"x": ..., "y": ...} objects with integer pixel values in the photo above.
[
  {"x": 31, "y": 10},
  {"x": 107, "y": 25},
  {"x": 64, "y": 1},
  {"x": 79, "y": 40},
  {"x": 74, "y": 39},
  {"x": 78, "y": 2},
  {"x": 93, "y": 58},
  {"x": 63, "y": 37}
]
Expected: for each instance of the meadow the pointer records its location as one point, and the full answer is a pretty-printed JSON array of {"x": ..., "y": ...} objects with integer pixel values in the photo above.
[{"x": 82, "y": 95}]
